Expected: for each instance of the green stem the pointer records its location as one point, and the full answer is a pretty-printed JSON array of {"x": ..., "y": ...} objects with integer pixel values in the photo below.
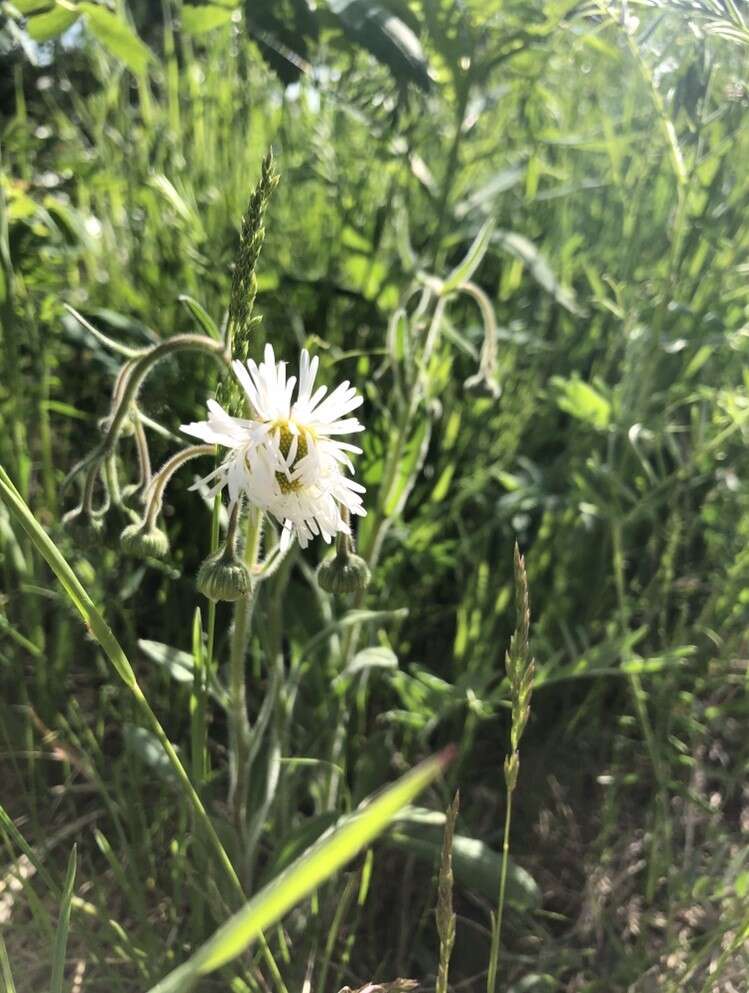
[
  {"x": 165, "y": 473},
  {"x": 497, "y": 928},
  {"x": 211, "y": 635},
  {"x": 239, "y": 725}
]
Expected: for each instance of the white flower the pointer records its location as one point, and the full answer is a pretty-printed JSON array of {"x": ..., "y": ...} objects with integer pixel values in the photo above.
[{"x": 287, "y": 458}]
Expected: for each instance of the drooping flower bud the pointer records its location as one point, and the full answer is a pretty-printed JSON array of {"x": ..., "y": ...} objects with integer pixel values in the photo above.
[
  {"x": 224, "y": 577},
  {"x": 343, "y": 574},
  {"x": 144, "y": 541}
]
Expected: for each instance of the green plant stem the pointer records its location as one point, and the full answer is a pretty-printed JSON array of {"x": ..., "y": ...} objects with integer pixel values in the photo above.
[
  {"x": 239, "y": 725},
  {"x": 211, "y": 634},
  {"x": 497, "y": 922},
  {"x": 165, "y": 473}
]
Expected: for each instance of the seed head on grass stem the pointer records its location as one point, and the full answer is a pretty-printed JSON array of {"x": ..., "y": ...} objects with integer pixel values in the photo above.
[
  {"x": 520, "y": 672},
  {"x": 244, "y": 282}
]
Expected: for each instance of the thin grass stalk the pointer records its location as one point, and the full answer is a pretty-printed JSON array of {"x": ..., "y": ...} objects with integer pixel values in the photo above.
[
  {"x": 445, "y": 914},
  {"x": 494, "y": 954}
]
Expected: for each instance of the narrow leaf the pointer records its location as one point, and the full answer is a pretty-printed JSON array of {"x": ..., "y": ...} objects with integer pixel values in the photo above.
[
  {"x": 63, "y": 926},
  {"x": 8, "y": 984},
  {"x": 524, "y": 249},
  {"x": 376, "y": 657},
  {"x": 205, "y": 17},
  {"x": 200, "y": 314},
  {"x": 117, "y": 37},
  {"x": 50, "y": 24},
  {"x": 472, "y": 261}
]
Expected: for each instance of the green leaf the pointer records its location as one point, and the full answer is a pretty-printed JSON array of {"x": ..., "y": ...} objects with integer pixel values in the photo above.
[
  {"x": 500, "y": 182},
  {"x": 30, "y": 7},
  {"x": 376, "y": 657},
  {"x": 63, "y": 926},
  {"x": 742, "y": 885},
  {"x": 45, "y": 27},
  {"x": 582, "y": 401},
  {"x": 408, "y": 468},
  {"x": 201, "y": 315},
  {"x": 206, "y": 17},
  {"x": 177, "y": 663},
  {"x": 476, "y": 866},
  {"x": 353, "y": 618},
  {"x": 179, "y": 204},
  {"x": 465, "y": 269},
  {"x": 386, "y": 36},
  {"x": 9, "y": 985},
  {"x": 524, "y": 249},
  {"x": 117, "y": 37},
  {"x": 148, "y": 749},
  {"x": 318, "y": 863}
]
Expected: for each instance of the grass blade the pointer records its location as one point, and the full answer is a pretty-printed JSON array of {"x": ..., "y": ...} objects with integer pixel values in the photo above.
[
  {"x": 63, "y": 926},
  {"x": 8, "y": 985},
  {"x": 303, "y": 876}
]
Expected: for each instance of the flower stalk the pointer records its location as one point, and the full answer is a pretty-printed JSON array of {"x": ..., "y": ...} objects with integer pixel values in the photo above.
[{"x": 239, "y": 725}]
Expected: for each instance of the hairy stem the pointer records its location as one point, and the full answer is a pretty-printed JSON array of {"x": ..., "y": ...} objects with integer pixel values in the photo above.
[{"x": 239, "y": 725}]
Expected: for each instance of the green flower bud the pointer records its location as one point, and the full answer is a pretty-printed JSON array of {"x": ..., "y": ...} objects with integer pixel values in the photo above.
[
  {"x": 224, "y": 577},
  {"x": 343, "y": 574},
  {"x": 144, "y": 541}
]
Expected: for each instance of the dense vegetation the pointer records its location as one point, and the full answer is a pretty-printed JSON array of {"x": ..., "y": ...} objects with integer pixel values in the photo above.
[{"x": 522, "y": 231}]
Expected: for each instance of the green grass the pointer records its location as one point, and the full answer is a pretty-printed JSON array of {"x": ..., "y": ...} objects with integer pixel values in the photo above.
[{"x": 537, "y": 274}]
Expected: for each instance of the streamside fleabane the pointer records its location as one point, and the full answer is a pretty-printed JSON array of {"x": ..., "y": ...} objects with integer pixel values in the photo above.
[{"x": 287, "y": 457}]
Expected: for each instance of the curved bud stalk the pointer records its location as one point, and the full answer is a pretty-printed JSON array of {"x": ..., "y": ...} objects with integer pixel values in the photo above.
[
  {"x": 127, "y": 385},
  {"x": 487, "y": 371},
  {"x": 154, "y": 494}
]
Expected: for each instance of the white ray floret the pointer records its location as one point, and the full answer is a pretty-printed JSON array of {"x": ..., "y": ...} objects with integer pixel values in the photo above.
[{"x": 287, "y": 458}]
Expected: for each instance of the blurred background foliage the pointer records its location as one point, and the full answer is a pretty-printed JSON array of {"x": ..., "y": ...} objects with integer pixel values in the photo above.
[{"x": 608, "y": 143}]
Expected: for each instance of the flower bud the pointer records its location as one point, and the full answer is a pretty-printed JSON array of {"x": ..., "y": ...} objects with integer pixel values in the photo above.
[
  {"x": 224, "y": 577},
  {"x": 343, "y": 574},
  {"x": 144, "y": 540}
]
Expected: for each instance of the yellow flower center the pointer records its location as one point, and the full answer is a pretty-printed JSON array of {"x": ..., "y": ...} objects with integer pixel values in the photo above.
[{"x": 285, "y": 440}]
